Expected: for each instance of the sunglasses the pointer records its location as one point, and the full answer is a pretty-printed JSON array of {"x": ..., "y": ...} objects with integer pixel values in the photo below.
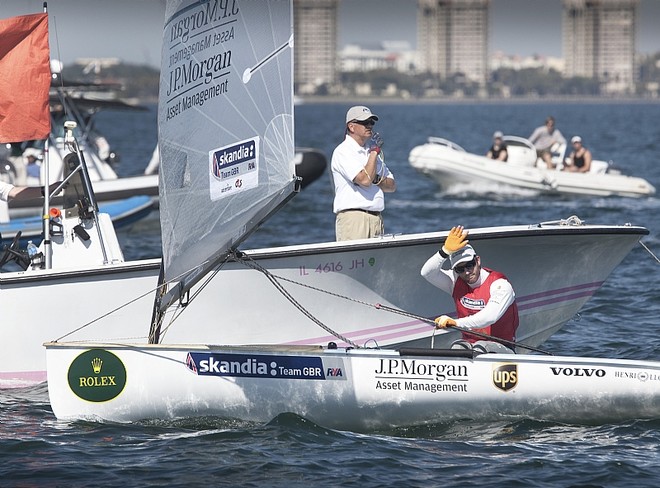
[
  {"x": 365, "y": 123},
  {"x": 469, "y": 266}
]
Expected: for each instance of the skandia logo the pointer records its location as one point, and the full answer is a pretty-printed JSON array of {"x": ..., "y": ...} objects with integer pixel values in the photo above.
[
  {"x": 262, "y": 366},
  {"x": 233, "y": 155},
  {"x": 472, "y": 303}
]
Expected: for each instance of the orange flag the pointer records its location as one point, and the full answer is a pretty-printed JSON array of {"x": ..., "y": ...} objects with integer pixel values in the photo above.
[{"x": 24, "y": 78}]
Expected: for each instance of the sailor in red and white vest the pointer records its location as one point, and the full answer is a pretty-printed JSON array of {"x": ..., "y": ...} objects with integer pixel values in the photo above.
[{"x": 485, "y": 300}]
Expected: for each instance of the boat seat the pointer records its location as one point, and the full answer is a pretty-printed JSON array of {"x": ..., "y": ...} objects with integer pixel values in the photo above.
[
  {"x": 520, "y": 155},
  {"x": 599, "y": 167}
]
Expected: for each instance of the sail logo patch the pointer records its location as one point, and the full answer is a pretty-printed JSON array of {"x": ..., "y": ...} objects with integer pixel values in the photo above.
[
  {"x": 473, "y": 303},
  {"x": 234, "y": 168},
  {"x": 265, "y": 366},
  {"x": 505, "y": 376},
  {"x": 97, "y": 375}
]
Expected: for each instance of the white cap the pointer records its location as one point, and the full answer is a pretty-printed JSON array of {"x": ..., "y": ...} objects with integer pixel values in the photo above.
[
  {"x": 31, "y": 151},
  {"x": 359, "y": 112},
  {"x": 498, "y": 134},
  {"x": 462, "y": 256},
  {"x": 576, "y": 139}
]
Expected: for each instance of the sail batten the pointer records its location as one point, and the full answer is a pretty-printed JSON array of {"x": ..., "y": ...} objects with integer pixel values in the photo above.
[{"x": 225, "y": 127}]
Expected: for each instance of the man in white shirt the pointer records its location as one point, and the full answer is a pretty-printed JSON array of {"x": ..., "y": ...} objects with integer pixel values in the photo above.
[
  {"x": 543, "y": 138},
  {"x": 360, "y": 178}
]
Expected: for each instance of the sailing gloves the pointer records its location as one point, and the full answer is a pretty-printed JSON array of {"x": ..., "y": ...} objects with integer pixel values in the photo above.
[
  {"x": 456, "y": 240},
  {"x": 444, "y": 321}
]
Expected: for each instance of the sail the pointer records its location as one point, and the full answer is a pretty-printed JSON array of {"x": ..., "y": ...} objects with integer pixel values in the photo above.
[{"x": 225, "y": 126}]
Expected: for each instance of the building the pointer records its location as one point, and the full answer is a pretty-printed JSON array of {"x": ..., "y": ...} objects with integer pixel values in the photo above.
[
  {"x": 315, "y": 53},
  {"x": 452, "y": 38},
  {"x": 599, "y": 39},
  {"x": 395, "y": 55}
]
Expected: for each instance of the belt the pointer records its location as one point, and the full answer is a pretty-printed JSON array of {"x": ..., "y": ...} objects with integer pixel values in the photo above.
[{"x": 370, "y": 212}]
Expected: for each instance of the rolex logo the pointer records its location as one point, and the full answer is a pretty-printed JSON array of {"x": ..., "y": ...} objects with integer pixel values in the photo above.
[
  {"x": 96, "y": 365},
  {"x": 102, "y": 382}
]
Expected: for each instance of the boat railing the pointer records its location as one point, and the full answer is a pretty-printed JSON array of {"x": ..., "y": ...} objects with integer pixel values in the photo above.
[{"x": 445, "y": 142}]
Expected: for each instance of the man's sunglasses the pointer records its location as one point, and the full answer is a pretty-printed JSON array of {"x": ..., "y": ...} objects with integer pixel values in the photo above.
[
  {"x": 365, "y": 123},
  {"x": 469, "y": 266}
]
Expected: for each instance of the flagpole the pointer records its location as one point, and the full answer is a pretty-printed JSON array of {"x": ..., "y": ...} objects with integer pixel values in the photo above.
[{"x": 46, "y": 215}]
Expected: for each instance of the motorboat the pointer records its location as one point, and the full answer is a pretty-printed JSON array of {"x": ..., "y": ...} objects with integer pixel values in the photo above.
[
  {"x": 80, "y": 102},
  {"x": 367, "y": 291},
  {"x": 122, "y": 213},
  {"x": 450, "y": 165}
]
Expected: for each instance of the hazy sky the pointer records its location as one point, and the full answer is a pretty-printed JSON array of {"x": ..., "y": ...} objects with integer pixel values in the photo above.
[{"x": 131, "y": 29}]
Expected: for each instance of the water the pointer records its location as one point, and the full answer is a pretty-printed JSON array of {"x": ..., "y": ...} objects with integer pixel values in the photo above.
[{"x": 620, "y": 321}]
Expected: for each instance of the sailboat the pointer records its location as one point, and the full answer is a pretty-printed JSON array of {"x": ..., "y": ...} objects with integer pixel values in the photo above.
[{"x": 226, "y": 140}]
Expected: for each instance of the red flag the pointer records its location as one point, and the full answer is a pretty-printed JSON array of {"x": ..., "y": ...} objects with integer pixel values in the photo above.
[{"x": 24, "y": 78}]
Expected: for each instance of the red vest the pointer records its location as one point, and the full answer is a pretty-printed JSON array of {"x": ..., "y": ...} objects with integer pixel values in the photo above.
[{"x": 470, "y": 301}]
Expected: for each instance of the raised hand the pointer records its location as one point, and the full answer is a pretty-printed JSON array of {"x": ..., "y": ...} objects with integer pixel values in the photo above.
[
  {"x": 376, "y": 141},
  {"x": 456, "y": 240}
]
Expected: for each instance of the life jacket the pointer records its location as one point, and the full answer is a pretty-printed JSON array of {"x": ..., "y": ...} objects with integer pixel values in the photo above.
[{"x": 469, "y": 301}]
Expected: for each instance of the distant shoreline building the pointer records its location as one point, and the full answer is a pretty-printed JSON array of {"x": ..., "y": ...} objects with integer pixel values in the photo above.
[
  {"x": 599, "y": 40},
  {"x": 452, "y": 38},
  {"x": 315, "y": 53},
  {"x": 452, "y": 54}
]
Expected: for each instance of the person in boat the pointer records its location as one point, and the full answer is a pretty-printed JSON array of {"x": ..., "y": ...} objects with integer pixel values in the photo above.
[
  {"x": 543, "y": 138},
  {"x": 360, "y": 178},
  {"x": 498, "y": 149},
  {"x": 32, "y": 156},
  {"x": 484, "y": 298},
  {"x": 9, "y": 192},
  {"x": 579, "y": 160}
]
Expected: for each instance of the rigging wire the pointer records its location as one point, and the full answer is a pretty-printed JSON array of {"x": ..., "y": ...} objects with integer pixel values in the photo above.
[
  {"x": 649, "y": 251},
  {"x": 251, "y": 263}
]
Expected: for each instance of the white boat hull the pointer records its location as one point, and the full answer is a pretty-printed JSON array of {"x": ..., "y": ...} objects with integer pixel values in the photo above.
[
  {"x": 355, "y": 389},
  {"x": 449, "y": 166},
  {"x": 360, "y": 279}
]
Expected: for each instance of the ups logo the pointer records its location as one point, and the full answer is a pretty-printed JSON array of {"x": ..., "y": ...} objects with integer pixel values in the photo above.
[{"x": 505, "y": 376}]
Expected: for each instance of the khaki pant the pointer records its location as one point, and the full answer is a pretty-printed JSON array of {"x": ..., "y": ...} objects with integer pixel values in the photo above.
[{"x": 356, "y": 224}]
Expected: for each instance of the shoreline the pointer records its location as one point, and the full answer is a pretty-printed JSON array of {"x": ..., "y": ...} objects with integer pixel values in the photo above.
[{"x": 355, "y": 100}]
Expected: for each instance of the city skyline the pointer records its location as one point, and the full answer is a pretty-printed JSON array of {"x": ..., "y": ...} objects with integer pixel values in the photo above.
[{"x": 131, "y": 29}]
